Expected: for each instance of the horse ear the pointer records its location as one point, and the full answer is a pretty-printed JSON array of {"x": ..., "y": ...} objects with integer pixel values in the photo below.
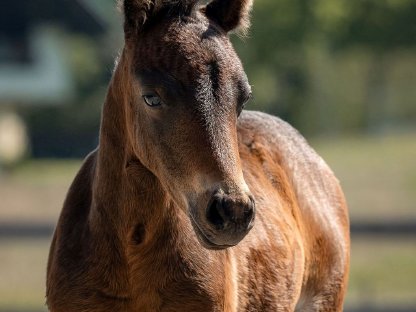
[
  {"x": 135, "y": 14},
  {"x": 230, "y": 14},
  {"x": 138, "y": 12}
]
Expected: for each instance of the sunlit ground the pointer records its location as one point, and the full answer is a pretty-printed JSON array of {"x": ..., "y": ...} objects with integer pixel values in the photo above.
[{"x": 378, "y": 176}]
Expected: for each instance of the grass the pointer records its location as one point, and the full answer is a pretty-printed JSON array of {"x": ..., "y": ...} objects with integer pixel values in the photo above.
[
  {"x": 35, "y": 190},
  {"x": 383, "y": 271},
  {"x": 22, "y": 274},
  {"x": 378, "y": 176}
]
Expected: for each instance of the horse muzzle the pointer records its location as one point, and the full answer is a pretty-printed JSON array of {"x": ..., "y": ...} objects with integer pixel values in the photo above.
[{"x": 227, "y": 220}]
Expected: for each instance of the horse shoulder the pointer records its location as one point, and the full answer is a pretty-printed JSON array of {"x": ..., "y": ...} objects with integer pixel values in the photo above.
[
  {"x": 316, "y": 188},
  {"x": 324, "y": 223},
  {"x": 76, "y": 205},
  {"x": 65, "y": 263}
]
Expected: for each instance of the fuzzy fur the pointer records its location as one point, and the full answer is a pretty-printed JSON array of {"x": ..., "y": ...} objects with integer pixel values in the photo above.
[
  {"x": 127, "y": 238},
  {"x": 138, "y": 12},
  {"x": 232, "y": 15}
]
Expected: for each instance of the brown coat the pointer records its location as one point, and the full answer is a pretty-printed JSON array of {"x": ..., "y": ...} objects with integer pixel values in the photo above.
[{"x": 129, "y": 235}]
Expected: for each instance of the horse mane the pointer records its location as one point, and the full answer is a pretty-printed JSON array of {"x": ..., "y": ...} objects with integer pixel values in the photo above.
[
  {"x": 231, "y": 15},
  {"x": 138, "y": 12}
]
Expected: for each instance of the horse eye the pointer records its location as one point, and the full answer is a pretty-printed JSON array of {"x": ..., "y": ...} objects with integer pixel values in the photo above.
[
  {"x": 240, "y": 109},
  {"x": 243, "y": 105},
  {"x": 152, "y": 100}
]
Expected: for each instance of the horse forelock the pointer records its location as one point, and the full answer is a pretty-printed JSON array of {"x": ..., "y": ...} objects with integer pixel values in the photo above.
[{"x": 140, "y": 12}]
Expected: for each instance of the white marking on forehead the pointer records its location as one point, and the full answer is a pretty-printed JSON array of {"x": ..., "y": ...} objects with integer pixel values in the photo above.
[
  {"x": 204, "y": 91},
  {"x": 215, "y": 119}
]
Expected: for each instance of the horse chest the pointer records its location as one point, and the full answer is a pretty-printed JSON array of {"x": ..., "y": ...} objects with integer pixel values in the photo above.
[
  {"x": 178, "y": 282},
  {"x": 177, "y": 297}
]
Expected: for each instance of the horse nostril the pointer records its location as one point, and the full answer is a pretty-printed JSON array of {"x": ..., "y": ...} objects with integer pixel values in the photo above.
[
  {"x": 225, "y": 213},
  {"x": 249, "y": 211},
  {"x": 215, "y": 213}
]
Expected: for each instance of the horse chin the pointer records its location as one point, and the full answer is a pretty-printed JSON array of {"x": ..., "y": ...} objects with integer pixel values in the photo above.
[{"x": 205, "y": 241}]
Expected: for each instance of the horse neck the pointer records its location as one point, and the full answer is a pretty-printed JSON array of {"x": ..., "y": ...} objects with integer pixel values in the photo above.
[{"x": 124, "y": 191}]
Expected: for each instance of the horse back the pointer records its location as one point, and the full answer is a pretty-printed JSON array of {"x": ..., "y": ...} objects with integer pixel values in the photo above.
[{"x": 311, "y": 215}]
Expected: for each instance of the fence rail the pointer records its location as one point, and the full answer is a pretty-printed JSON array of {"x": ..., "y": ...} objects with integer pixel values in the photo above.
[
  {"x": 379, "y": 309},
  {"x": 27, "y": 230},
  {"x": 408, "y": 228},
  {"x": 359, "y": 309}
]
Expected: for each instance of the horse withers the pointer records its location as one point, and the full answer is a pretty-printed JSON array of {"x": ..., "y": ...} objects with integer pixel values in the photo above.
[{"x": 190, "y": 203}]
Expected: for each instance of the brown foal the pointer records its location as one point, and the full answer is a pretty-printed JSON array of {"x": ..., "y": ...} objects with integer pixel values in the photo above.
[{"x": 190, "y": 203}]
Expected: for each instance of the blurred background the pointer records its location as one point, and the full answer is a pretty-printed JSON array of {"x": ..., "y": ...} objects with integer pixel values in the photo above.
[{"x": 343, "y": 72}]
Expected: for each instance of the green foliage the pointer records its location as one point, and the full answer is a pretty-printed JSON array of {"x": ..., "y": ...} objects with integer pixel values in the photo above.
[
  {"x": 328, "y": 67},
  {"x": 377, "y": 24},
  {"x": 325, "y": 66}
]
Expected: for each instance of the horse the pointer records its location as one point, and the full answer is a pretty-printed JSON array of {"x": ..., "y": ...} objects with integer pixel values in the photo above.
[{"x": 190, "y": 202}]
